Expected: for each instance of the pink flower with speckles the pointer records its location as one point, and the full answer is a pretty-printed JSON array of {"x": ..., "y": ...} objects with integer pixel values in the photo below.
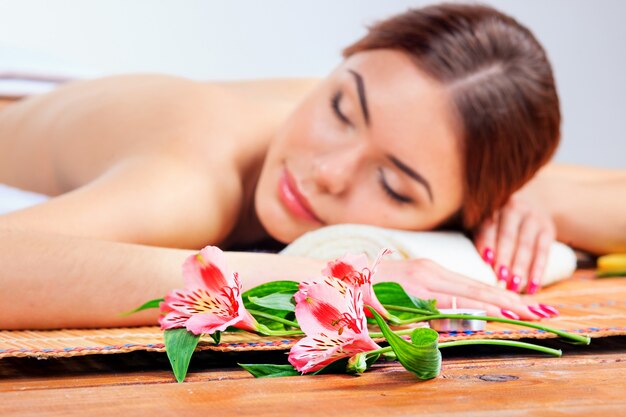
[
  {"x": 211, "y": 300},
  {"x": 330, "y": 313},
  {"x": 355, "y": 270}
]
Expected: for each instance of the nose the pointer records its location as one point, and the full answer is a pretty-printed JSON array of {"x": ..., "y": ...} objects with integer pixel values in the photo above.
[{"x": 335, "y": 172}]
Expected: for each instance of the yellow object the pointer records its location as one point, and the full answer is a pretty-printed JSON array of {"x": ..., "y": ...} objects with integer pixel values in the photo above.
[{"x": 615, "y": 262}]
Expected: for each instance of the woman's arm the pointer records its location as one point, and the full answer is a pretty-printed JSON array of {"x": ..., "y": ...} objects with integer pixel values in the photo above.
[
  {"x": 55, "y": 281},
  {"x": 588, "y": 205}
]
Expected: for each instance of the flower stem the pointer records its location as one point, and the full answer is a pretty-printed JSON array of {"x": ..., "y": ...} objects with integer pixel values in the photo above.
[
  {"x": 274, "y": 318},
  {"x": 398, "y": 332},
  {"x": 531, "y": 346},
  {"x": 574, "y": 337},
  {"x": 378, "y": 351},
  {"x": 407, "y": 309},
  {"x": 523, "y": 345},
  {"x": 283, "y": 333}
]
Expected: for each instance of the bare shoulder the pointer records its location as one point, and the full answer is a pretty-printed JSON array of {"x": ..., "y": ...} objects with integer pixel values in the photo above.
[
  {"x": 80, "y": 130},
  {"x": 149, "y": 159},
  {"x": 581, "y": 172}
]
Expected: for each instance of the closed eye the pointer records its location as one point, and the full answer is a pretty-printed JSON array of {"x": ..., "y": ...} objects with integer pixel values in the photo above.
[
  {"x": 334, "y": 103},
  {"x": 390, "y": 192}
]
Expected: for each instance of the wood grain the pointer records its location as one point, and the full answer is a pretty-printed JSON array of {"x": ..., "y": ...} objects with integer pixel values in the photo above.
[{"x": 472, "y": 383}]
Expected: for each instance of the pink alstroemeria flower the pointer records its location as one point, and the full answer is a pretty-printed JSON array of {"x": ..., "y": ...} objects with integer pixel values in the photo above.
[
  {"x": 331, "y": 315},
  {"x": 211, "y": 300},
  {"x": 355, "y": 270}
]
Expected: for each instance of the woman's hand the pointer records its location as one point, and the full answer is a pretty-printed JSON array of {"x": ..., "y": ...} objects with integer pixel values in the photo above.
[
  {"x": 426, "y": 279},
  {"x": 516, "y": 242}
]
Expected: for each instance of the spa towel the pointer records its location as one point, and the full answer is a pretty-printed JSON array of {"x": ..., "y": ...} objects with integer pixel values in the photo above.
[{"x": 452, "y": 250}]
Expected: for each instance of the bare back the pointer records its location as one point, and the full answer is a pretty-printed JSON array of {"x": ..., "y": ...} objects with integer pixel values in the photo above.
[{"x": 154, "y": 152}]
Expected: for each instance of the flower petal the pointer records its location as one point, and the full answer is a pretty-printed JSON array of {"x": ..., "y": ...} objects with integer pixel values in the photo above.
[
  {"x": 208, "y": 323},
  {"x": 328, "y": 306},
  {"x": 199, "y": 300},
  {"x": 312, "y": 353},
  {"x": 355, "y": 270},
  {"x": 170, "y": 319},
  {"x": 247, "y": 322},
  {"x": 347, "y": 267},
  {"x": 207, "y": 269}
]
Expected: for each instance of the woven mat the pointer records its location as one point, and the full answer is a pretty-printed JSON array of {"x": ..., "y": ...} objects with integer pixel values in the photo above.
[{"x": 595, "y": 307}]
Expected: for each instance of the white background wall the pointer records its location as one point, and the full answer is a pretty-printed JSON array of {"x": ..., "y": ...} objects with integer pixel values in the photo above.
[{"x": 238, "y": 39}]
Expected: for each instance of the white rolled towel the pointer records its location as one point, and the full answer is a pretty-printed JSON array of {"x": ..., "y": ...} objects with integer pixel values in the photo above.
[{"x": 451, "y": 250}]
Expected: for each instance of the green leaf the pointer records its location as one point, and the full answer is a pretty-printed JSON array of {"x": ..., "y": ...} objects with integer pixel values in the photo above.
[
  {"x": 145, "y": 306},
  {"x": 421, "y": 356},
  {"x": 336, "y": 367},
  {"x": 269, "y": 370},
  {"x": 342, "y": 365},
  {"x": 429, "y": 305},
  {"x": 265, "y": 290},
  {"x": 217, "y": 336},
  {"x": 392, "y": 293},
  {"x": 180, "y": 345},
  {"x": 277, "y": 301},
  {"x": 271, "y": 288}
]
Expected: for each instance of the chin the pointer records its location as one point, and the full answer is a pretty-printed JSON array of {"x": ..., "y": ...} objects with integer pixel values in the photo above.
[
  {"x": 275, "y": 223},
  {"x": 280, "y": 231}
]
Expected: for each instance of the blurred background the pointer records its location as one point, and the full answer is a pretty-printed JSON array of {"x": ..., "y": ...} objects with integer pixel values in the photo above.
[{"x": 240, "y": 39}]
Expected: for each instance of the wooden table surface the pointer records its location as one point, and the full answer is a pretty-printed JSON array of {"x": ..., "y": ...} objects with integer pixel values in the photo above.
[{"x": 476, "y": 381}]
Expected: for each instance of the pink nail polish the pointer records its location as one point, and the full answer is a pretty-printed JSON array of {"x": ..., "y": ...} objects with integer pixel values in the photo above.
[
  {"x": 533, "y": 286},
  {"x": 503, "y": 273},
  {"x": 514, "y": 283},
  {"x": 538, "y": 312},
  {"x": 549, "y": 309},
  {"x": 509, "y": 314},
  {"x": 488, "y": 256}
]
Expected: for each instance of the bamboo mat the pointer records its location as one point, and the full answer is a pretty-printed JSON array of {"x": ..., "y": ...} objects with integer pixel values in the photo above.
[{"x": 595, "y": 307}]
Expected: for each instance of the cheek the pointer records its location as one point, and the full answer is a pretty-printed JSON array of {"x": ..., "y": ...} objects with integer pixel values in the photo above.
[
  {"x": 310, "y": 128},
  {"x": 367, "y": 205}
]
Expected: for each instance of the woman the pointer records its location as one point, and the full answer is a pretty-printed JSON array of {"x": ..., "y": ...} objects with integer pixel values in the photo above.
[{"x": 434, "y": 119}]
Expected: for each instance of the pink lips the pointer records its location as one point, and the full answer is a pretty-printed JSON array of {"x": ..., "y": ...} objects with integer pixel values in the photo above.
[{"x": 293, "y": 199}]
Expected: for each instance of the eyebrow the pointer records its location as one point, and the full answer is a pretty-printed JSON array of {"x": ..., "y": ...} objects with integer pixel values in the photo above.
[
  {"x": 360, "y": 86},
  {"x": 411, "y": 173}
]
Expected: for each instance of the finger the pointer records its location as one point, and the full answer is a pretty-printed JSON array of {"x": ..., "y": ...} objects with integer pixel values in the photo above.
[
  {"x": 485, "y": 239},
  {"x": 453, "y": 284},
  {"x": 542, "y": 251},
  {"x": 447, "y": 301},
  {"x": 443, "y": 284},
  {"x": 508, "y": 229},
  {"x": 524, "y": 253},
  {"x": 494, "y": 310}
]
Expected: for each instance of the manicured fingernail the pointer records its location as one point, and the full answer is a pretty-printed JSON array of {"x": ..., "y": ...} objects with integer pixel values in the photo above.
[
  {"x": 509, "y": 314},
  {"x": 538, "y": 312},
  {"x": 503, "y": 273},
  {"x": 488, "y": 256},
  {"x": 533, "y": 286},
  {"x": 549, "y": 309},
  {"x": 514, "y": 283}
]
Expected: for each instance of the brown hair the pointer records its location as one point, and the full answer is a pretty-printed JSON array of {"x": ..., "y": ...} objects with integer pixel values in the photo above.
[{"x": 501, "y": 85}]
